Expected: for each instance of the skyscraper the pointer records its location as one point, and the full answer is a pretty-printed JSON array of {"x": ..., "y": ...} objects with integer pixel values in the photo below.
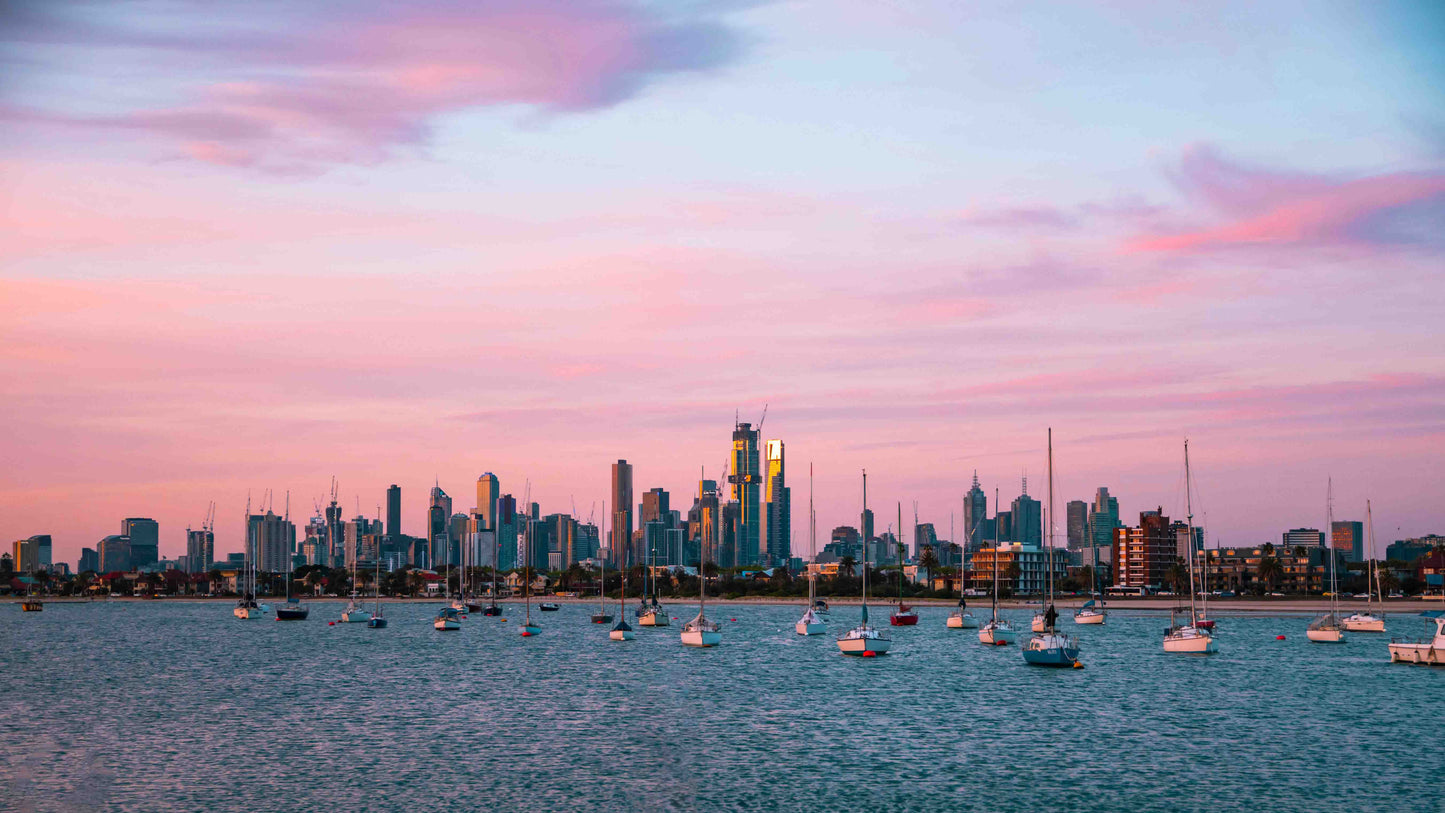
[
  {"x": 620, "y": 537},
  {"x": 705, "y": 532},
  {"x": 780, "y": 508},
  {"x": 335, "y": 536},
  {"x": 200, "y": 550},
  {"x": 1308, "y": 537},
  {"x": 89, "y": 560},
  {"x": 1349, "y": 537},
  {"x": 656, "y": 506},
  {"x": 438, "y": 529},
  {"x": 393, "y": 511},
  {"x": 1026, "y": 514},
  {"x": 144, "y": 536},
  {"x": 1078, "y": 524},
  {"x": 114, "y": 553},
  {"x": 1104, "y": 518},
  {"x": 271, "y": 538},
  {"x": 488, "y": 491},
  {"x": 746, "y": 484},
  {"x": 506, "y": 532},
  {"x": 975, "y": 511}
]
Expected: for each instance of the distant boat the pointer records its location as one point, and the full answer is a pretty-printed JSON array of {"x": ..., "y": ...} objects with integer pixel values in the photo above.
[
  {"x": 247, "y": 607},
  {"x": 377, "y": 620},
  {"x": 1367, "y": 621},
  {"x": 447, "y": 620},
  {"x": 651, "y": 613},
  {"x": 701, "y": 632},
  {"x": 293, "y": 609},
  {"x": 622, "y": 632},
  {"x": 1192, "y": 637},
  {"x": 1050, "y": 647},
  {"x": 1430, "y": 652},
  {"x": 961, "y": 619},
  {"x": 548, "y": 607},
  {"x": 903, "y": 615},
  {"x": 1093, "y": 610},
  {"x": 527, "y": 628},
  {"x": 355, "y": 613},
  {"x": 863, "y": 640},
  {"x": 1327, "y": 629},
  {"x": 998, "y": 631},
  {"x": 602, "y": 616},
  {"x": 811, "y": 623}
]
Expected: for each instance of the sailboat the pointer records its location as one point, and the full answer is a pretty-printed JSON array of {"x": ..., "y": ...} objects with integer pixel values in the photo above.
[
  {"x": 1368, "y": 621},
  {"x": 377, "y": 620},
  {"x": 811, "y": 623},
  {"x": 492, "y": 609},
  {"x": 32, "y": 602},
  {"x": 699, "y": 631},
  {"x": 527, "y": 628},
  {"x": 247, "y": 607},
  {"x": 293, "y": 609},
  {"x": 960, "y": 619},
  {"x": 1092, "y": 612},
  {"x": 903, "y": 615},
  {"x": 355, "y": 613},
  {"x": 998, "y": 631},
  {"x": 602, "y": 616},
  {"x": 1191, "y": 637},
  {"x": 1327, "y": 628},
  {"x": 863, "y": 640},
  {"x": 651, "y": 613},
  {"x": 620, "y": 631},
  {"x": 1050, "y": 647}
]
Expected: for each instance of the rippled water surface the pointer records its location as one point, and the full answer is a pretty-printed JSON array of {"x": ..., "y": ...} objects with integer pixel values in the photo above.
[{"x": 173, "y": 705}]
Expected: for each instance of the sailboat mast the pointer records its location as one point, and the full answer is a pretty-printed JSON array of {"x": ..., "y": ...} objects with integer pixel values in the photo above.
[
  {"x": 1330, "y": 525},
  {"x": 865, "y": 549},
  {"x": 1374, "y": 574},
  {"x": 995, "y": 548},
  {"x": 1049, "y": 540},
  {"x": 1189, "y": 510},
  {"x": 899, "y": 540},
  {"x": 812, "y": 542}
]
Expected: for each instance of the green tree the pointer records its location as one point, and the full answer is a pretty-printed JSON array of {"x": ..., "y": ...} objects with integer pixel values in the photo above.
[
  {"x": 846, "y": 566},
  {"x": 928, "y": 560},
  {"x": 1178, "y": 578},
  {"x": 1269, "y": 570}
]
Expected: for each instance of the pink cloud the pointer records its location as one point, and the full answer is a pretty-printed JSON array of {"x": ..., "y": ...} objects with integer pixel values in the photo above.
[
  {"x": 1264, "y": 208},
  {"x": 351, "y": 85}
]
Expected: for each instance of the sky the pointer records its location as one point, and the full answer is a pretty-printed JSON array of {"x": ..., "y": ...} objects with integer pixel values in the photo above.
[{"x": 252, "y": 247}]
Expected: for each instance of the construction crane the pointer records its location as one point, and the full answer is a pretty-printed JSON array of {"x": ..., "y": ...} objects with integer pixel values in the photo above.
[{"x": 764, "y": 418}]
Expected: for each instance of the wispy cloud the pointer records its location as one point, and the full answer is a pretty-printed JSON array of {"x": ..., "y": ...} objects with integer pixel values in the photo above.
[{"x": 353, "y": 82}]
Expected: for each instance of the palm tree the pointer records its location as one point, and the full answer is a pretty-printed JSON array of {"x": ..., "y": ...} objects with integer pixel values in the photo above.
[
  {"x": 846, "y": 565},
  {"x": 1268, "y": 570},
  {"x": 1178, "y": 578},
  {"x": 928, "y": 560},
  {"x": 1011, "y": 574}
]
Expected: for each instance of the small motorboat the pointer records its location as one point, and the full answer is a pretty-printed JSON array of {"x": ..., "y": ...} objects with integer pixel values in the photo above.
[
  {"x": 548, "y": 607},
  {"x": 601, "y": 618},
  {"x": 292, "y": 610},
  {"x": 904, "y": 616},
  {"x": 1428, "y": 651},
  {"x": 447, "y": 620},
  {"x": 31, "y": 605},
  {"x": 492, "y": 609}
]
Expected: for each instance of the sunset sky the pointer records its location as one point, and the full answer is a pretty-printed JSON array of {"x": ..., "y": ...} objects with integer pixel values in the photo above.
[{"x": 252, "y": 246}]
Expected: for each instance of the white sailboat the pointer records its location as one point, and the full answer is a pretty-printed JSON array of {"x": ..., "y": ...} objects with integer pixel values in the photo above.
[
  {"x": 863, "y": 640},
  {"x": 355, "y": 613},
  {"x": 961, "y": 619},
  {"x": 811, "y": 623},
  {"x": 377, "y": 620},
  {"x": 1368, "y": 621},
  {"x": 1191, "y": 637},
  {"x": 247, "y": 607},
  {"x": 602, "y": 616},
  {"x": 652, "y": 613},
  {"x": 998, "y": 631},
  {"x": 1327, "y": 628},
  {"x": 1093, "y": 611},
  {"x": 621, "y": 631},
  {"x": 701, "y": 632},
  {"x": 1051, "y": 647},
  {"x": 527, "y": 628}
]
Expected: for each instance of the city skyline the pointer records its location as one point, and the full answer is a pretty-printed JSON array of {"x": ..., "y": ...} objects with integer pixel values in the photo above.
[{"x": 409, "y": 245}]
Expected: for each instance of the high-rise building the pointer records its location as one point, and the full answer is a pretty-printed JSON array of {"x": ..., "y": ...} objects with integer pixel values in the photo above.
[
  {"x": 1104, "y": 518},
  {"x": 114, "y": 553},
  {"x": 925, "y": 537},
  {"x": 507, "y": 532},
  {"x": 89, "y": 561},
  {"x": 144, "y": 536},
  {"x": 747, "y": 486},
  {"x": 779, "y": 507},
  {"x": 1077, "y": 517},
  {"x": 702, "y": 520},
  {"x": 1026, "y": 515},
  {"x": 438, "y": 530},
  {"x": 27, "y": 556},
  {"x": 1143, "y": 555},
  {"x": 43, "y": 545},
  {"x": 975, "y": 511},
  {"x": 488, "y": 492},
  {"x": 335, "y": 535},
  {"x": 730, "y": 534},
  {"x": 200, "y": 550},
  {"x": 865, "y": 533},
  {"x": 1349, "y": 537},
  {"x": 619, "y": 541},
  {"x": 1308, "y": 537},
  {"x": 1003, "y": 527},
  {"x": 271, "y": 538},
  {"x": 393, "y": 511},
  {"x": 656, "y": 506}
]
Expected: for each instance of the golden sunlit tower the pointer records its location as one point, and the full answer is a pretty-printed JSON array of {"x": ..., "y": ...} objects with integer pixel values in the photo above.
[
  {"x": 779, "y": 509},
  {"x": 747, "y": 485}
]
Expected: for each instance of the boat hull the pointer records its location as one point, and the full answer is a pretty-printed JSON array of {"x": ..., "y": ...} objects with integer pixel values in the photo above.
[
  {"x": 528, "y": 630},
  {"x": 865, "y": 647},
  {"x": 701, "y": 638},
  {"x": 1364, "y": 623},
  {"x": 997, "y": 636},
  {"x": 1191, "y": 644},
  {"x": 810, "y": 628},
  {"x": 1089, "y": 617},
  {"x": 356, "y": 617},
  {"x": 653, "y": 618},
  {"x": 962, "y": 622},
  {"x": 903, "y": 619},
  {"x": 292, "y": 614},
  {"x": 601, "y": 619},
  {"x": 1051, "y": 650},
  {"x": 376, "y": 623},
  {"x": 246, "y": 613},
  {"x": 1426, "y": 654},
  {"x": 1334, "y": 636},
  {"x": 446, "y": 625},
  {"x": 31, "y": 607},
  {"x": 492, "y": 611},
  {"x": 622, "y": 635}
]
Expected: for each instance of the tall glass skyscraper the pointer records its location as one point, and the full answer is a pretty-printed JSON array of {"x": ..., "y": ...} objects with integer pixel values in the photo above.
[
  {"x": 620, "y": 540},
  {"x": 780, "y": 508},
  {"x": 144, "y": 535},
  {"x": 747, "y": 486},
  {"x": 975, "y": 511}
]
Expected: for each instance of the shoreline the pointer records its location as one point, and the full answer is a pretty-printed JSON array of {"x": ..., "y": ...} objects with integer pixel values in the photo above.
[{"x": 1410, "y": 606}]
